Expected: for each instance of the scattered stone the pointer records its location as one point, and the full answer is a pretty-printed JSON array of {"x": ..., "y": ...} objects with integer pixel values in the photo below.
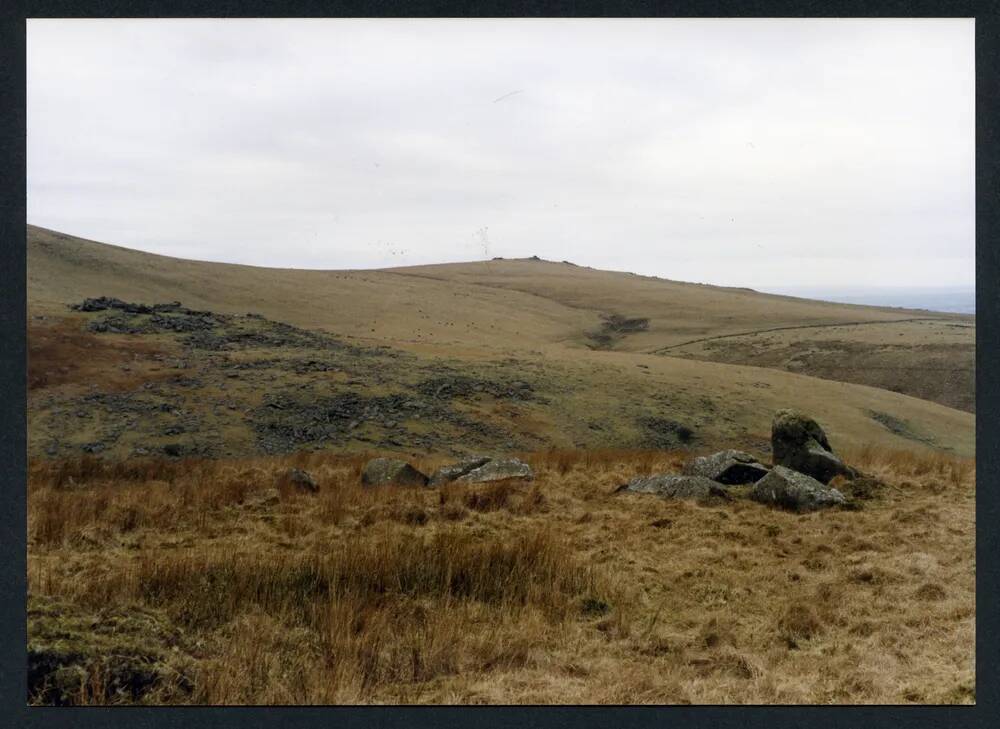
[
  {"x": 455, "y": 470},
  {"x": 796, "y": 491},
  {"x": 446, "y": 387},
  {"x": 675, "y": 486},
  {"x": 302, "y": 480},
  {"x": 728, "y": 467},
  {"x": 799, "y": 443},
  {"x": 391, "y": 472},
  {"x": 500, "y": 469}
]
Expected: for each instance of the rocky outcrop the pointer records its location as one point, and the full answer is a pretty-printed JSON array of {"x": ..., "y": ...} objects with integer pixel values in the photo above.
[
  {"x": 445, "y": 474},
  {"x": 675, "y": 486},
  {"x": 727, "y": 467},
  {"x": 498, "y": 469},
  {"x": 450, "y": 386},
  {"x": 391, "y": 472},
  {"x": 104, "y": 303},
  {"x": 796, "y": 491},
  {"x": 799, "y": 443}
]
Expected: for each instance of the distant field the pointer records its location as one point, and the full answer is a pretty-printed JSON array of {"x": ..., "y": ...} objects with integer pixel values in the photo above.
[{"x": 931, "y": 359}]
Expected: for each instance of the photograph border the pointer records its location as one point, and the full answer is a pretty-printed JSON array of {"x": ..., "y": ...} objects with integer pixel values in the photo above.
[{"x": 13, "y": 443}]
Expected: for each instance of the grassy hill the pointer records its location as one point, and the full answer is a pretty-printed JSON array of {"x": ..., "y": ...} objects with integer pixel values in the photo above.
[
  {"x": 514, "y": 353},
  {"x": 171, "y": 559}
]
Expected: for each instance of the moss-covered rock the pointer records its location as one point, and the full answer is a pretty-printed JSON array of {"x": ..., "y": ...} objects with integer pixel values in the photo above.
[{"x": 799, "y": 443}]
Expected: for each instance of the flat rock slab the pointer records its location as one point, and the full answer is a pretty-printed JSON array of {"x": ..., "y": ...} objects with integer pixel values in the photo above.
[
  {"x": 391, "y": 472},
  {"x": 727, "y": 467},
  {"x": 796, "y": 491},
  {"x": 675, "y": 486},
  {"x": 498, "y": 469},
  {"x": 458, "y": 469}
]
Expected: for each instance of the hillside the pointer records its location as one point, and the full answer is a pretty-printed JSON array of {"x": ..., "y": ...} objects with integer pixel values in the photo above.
[
  {"x": 524, "y": 353},
  {"x": 930, "y": 355},
  {"x": 201, "y": 528}
]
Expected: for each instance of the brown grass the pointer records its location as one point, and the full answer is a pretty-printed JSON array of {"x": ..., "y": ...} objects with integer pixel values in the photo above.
[
  {"x": 61, "y": 351},
  {"x": 551, "y": 591}
]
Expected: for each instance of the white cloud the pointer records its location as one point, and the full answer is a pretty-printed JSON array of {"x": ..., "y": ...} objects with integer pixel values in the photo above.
[{"x": 743, "y": 152}]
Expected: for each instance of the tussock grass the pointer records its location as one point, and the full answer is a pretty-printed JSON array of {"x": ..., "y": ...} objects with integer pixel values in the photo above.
[
  {"x": 937, "y": 470},
  {"x": 551, "y": 591},
  {"x": 209, "y": 588}
]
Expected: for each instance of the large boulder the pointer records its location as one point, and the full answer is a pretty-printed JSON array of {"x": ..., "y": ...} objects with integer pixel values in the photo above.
[
  {"x": 391, "y": 472},
  {"x": 498, "y": 469},
  {"x": 455, "y": 470},
  {"x": 797, "y": 442},
  {"x": 728, "y": 467},
  {"x": 796, "y": 491},
  {"x": 675, "y": 486}
]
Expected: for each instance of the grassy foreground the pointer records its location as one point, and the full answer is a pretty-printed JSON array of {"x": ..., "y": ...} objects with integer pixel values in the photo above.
[{"x": 216, "y": 582}]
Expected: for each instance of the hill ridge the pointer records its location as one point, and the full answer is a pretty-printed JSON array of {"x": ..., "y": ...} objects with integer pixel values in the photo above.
[{"x": 599, "y": 378}]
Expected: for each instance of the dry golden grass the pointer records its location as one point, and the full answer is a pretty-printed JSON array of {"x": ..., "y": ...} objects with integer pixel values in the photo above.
[{"x": 553, "y": 591}]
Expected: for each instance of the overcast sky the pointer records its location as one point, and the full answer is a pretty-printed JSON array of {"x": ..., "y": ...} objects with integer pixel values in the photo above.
[{"x": 740, "y": 152}]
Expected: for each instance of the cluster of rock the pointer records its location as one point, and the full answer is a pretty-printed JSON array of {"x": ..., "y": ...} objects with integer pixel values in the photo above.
[
  {"x": 103, "y": 303},
  {"x": 205, "y": 329},
  {"x": 462, "y": 386},
  {"x": 479, "y": 469},
  {"x": 804, "y": 465}
]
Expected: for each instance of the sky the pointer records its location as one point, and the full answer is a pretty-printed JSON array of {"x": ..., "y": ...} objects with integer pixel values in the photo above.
[{"x": 751, "y": 152}]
